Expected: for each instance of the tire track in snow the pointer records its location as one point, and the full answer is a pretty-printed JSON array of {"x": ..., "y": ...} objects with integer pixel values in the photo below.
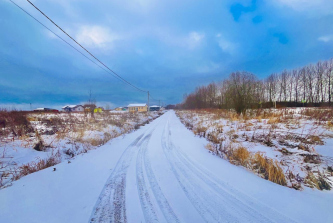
[
  {"x": 143, "y": 163},
  {"x": 145, "y": 199},
  {"x": 201, "y": 199},
  {"x": 111, "y": 206},
  {"x": 235, "y": 210},
  {"x": 247, "y": 207},
  {"x": 163, "y": 203},
  {"x": 241, "y": 202}
]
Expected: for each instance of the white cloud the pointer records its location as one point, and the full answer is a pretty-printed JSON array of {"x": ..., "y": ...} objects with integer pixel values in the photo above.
[
  {"x": 195, "y": 39},
  {"x": 226, "y": 45},
  {"x": 189, "y": 41},
  {"x": 312, "y": 6},
  {"x": 326, "y": 39},
  {"x": 96, "y": 36}
]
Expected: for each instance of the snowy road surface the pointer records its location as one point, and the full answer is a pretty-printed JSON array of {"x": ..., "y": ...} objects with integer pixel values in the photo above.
[{"x": 160, "y": 173}]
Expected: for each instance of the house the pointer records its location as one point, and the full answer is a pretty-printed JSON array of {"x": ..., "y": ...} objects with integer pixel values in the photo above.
[
  {"x": 73, "y": 108},
  {"x": 137, "y": 107},
  {"x": 154, "y": 108},
  {"x": 98, "y": 110},
  {"x": 121, "y": 109},
  {"x": 118, "y": 109},
  {"x": 45, "y": 110},
  {"x": 89, "y": 107}
]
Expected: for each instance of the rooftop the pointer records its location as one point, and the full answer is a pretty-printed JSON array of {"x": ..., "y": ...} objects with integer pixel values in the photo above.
[{"x": 137, "y": 105}]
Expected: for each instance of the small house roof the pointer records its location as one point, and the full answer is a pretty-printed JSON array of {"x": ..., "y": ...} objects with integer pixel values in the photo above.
[
  {"x": 137, "y": 105},
  {"x": 74, "y": 106},
  {"x": 89, "y": 106},
  {"x": 71, "y": 106},
  {"x": 155, "y": 106}
]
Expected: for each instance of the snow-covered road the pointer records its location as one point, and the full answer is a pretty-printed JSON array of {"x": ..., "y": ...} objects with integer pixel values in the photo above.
[{"x": 160, "y": 173}]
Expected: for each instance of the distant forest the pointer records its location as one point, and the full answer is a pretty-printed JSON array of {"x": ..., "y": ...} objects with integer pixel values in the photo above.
[{"x": 242, "y": 90}]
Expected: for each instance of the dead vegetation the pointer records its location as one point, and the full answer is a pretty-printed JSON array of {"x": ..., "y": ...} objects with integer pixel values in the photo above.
[
  {"x": 59, "y": 135},
  {"x": 293, "y": 133}
]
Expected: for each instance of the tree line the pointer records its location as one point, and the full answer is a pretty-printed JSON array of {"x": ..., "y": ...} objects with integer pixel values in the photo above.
[{"x": 242, "y": 90}]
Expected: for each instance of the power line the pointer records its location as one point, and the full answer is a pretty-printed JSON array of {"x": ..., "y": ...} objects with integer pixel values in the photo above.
[
  {"x": 60, "y": 37},
  {"x": 125, "y": 81},
  {"x": 119, "y": 78}
]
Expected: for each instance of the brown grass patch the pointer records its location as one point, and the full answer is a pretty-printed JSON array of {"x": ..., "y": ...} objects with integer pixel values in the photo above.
[
  {"x": 240, "y": 156},
  {"x": 318, "y": 182},
  {"x": 271, "y": 170},
  {"x": 36, "y": 166}
]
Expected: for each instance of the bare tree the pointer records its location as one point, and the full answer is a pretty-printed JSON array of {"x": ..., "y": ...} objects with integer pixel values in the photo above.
[{"x": 242, "y": 90}]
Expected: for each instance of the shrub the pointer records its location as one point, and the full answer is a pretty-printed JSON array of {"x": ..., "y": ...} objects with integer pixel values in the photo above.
[
  {"x": 240, "y": 156},
  {"x": 211, "y": 147},
  {"x": 36, "y": 166},
  {"x": 275, "y": 173},
  {"x": 312, "y": 158},
  {"x": 270, "y": 169},
  {"x": 15, "y": 122},
  {"x": 313, "y": 139},
  {"x": 39, "y": 146},
  {"x": 318, "y": 182}
]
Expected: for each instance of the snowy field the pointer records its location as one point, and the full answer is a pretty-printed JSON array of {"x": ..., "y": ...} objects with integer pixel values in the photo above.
[
  {"x": 296, "y": 143},
  {"x": 159, "y": 173},
  {"x": 35, "y": 141}
]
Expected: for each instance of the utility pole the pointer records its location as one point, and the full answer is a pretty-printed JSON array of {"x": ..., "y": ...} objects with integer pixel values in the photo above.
[
  {"x": 148, "y": 104},
  {"x": 159, "y": 103}
]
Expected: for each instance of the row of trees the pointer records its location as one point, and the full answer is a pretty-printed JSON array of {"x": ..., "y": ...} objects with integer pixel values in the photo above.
[{"x": 310, "y": 84}]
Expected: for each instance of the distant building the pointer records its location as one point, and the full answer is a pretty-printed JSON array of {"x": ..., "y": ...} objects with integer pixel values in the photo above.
[
  {"x": 89, "y": 107},
  {"x": 45, "y": 110},
  {"x": 121, "y": 109},
  {"x": 137, "y": 107},
  {"x": 98, "y": 110},
  {"x": 73, "y": 108},
  {"x": 42, "y": 109},
  {"x": 154, "y": 108}
]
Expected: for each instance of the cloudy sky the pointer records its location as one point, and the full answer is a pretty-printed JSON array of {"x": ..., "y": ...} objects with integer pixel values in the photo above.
[{"x": 166, "y": 47}]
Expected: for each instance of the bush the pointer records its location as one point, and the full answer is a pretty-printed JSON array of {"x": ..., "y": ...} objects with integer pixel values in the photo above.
[
  {"x": 39, "y": 146},
  {"x": 14, "y": 122},
  {"x": 318, "y": 182},
  {"x": 270, "y": 169},
  {"x": 240, "y": 156},
  {"x": 36, "y": 166}
]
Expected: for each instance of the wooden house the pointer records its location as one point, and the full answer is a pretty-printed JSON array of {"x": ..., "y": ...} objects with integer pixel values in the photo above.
[
  {"x": 73, "y": 108},
  {"x": 137, "y": 108}
]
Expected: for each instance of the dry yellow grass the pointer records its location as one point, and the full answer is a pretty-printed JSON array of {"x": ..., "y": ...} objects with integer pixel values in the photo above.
[
  {"x": 241, "y": 156},
  {"x": 275, "y": 173},
  {"x": 270, "y": 169},
  {"x": 273, "y": 120},
  {"x": 210, "y": 147},
  {"x": 330, "y": 124}
]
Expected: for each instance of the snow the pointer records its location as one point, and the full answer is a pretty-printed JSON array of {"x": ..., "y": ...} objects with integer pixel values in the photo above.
[
  {"x": 286, "y": 129},
  {"x": 136, "y": 105},
  {"x": 18, "y": 151},
  {"x": 327, "y": 149},
  {"x": 161, "y": 172}
]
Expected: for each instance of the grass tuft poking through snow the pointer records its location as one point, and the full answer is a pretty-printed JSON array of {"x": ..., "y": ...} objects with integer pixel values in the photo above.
[
  {"x": 291, "y": 147},
  {"x": 32, "y": 141}
]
